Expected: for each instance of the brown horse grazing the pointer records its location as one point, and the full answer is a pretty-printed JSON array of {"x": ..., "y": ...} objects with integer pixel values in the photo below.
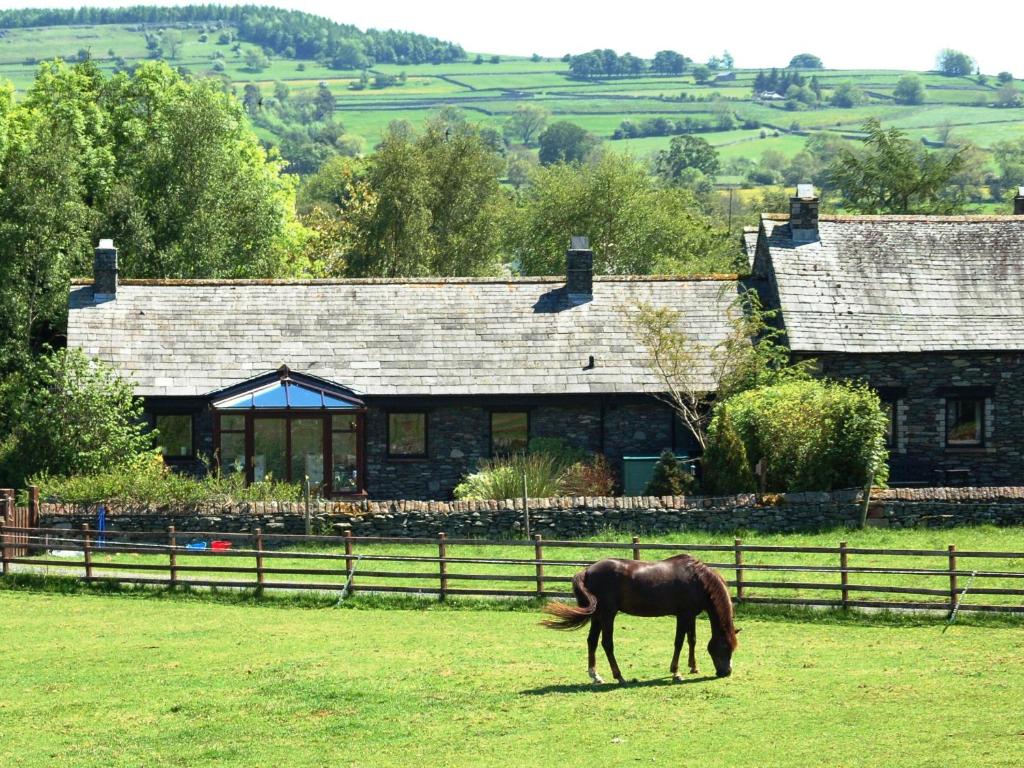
[{"x": 680, "y": 586}]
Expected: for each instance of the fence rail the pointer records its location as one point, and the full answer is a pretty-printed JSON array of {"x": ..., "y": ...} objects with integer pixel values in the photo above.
[{"x": 772, "y": 574}]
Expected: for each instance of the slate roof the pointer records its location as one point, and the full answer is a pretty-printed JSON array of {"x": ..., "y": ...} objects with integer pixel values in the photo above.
[
  {"x": 875, "y": 284},
  {"x": 401, "y": 337}
]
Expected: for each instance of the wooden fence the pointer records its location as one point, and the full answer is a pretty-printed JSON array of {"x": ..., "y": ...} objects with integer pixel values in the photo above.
[
  {"x": 23, "y": 517},
  {"x": 841, "y": 576}
]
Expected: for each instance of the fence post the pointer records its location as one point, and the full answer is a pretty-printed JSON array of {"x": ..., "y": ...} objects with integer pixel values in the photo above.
[
  {"x": 3, "y": 548},
  {"x": 305, "y": 494},
  {"x": 442, "y": 553},
  {"x": 172, "y": 543},
  {"x": 738, "y": 553},
  {"x": 636, "y": 547},
  {"x": 526, "y": 507},
  {"x": 844, "y": 577},
  {"x": 33, "y": 517},
  {"x": 952, "y": 577},
  {"x": 348, "y": 562},
  {"x": 538, "y": 555},
  {"x": 87, "y": 551},
  {"x": 259, "y": 561}
]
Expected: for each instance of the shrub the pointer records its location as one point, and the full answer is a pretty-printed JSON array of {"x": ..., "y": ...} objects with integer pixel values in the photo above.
[
  {"x": 552, "y": 468},
  {"x": 813, "y": 435},
  {"x": 503, "y": 478},
  {"x": 726, "y": 468},
  {"x": 594, "y": 477},
  {"x": 146, "y": 481},
  {"x": 669, "y": 478},
  {"x": 66, "y": 414}
]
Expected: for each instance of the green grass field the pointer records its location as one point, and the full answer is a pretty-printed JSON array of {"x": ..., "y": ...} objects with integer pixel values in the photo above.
[{"x": 130, "y": 680}]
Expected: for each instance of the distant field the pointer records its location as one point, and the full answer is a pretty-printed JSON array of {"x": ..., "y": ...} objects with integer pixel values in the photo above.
[{"x": 491, "y": 92}]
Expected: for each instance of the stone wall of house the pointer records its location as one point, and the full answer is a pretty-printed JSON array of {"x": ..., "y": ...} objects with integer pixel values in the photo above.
[
  {"x": 920, "y": 453},
  {"x": 458, "y": 438},
  {"x": 573, "y": 517}
]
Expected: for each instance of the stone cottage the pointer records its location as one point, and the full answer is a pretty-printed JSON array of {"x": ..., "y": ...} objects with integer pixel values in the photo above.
[
  {"x": 390, "y": 388},
  {"x": 928, "y": 310}
]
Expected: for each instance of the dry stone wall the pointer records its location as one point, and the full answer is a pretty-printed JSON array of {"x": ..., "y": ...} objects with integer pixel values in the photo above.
[{"x": 573, "y": 517}]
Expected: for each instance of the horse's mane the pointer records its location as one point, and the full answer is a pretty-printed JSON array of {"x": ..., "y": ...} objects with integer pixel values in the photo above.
[{"x": 718, "y": 593}]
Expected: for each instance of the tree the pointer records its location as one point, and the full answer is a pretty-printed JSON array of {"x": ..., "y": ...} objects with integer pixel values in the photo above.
[
  {"x": 171, "y": 43},
  {"x": 635, "y": 226},
  {"x": 1004, "y": 77},
  {"x": 252, "y": 99},
  {"x": 66, "y": 414},
  {"x": 256, "y": 60},
  {"x": 1008, "y": 96},
  {"x": 427, "y": 204},
  {"x": 526, "y": 123},
  {"x": 847, "y": 95},
  {"x": 909, "y": 90},
  {"x": 805, "y": 61},
  {"x": 954, "y": 63},
  {"x": 323, "y": 103},
  {"x": 669, "y": 478},
  {"x": 725, "y": 468},
  {"x": 893, "y": 175},
  {"x": 668, "y": 63},
  {"x": 1009, "y": 157},
  {"x": 753, "y": 355},
  {"x": 687, "y": 152},
  {"x": 701, "y": 73},
  {"x": 565, "y": 142},
  {"x": 349, "y": 54}
]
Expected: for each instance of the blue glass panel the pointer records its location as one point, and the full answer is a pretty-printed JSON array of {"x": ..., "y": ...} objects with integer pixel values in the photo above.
[
  {"x": 300, "y": 397},
  {"x": 336, "y": 402},
  {"x": 270, "y": 398}
]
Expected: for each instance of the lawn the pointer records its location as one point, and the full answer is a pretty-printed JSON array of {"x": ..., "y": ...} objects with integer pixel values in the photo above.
[{"x": 120, "y": 680}]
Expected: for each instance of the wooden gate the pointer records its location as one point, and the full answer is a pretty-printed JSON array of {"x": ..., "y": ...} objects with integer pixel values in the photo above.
[{"x": 13, "y": 516}]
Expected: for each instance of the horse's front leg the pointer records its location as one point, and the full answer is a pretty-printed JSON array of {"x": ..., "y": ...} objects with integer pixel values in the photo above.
[
  {"x": 595, "y": 633},
  {"x": 608, "y": 643},
  {"x": 680, "y": 634},
  {"x": 691, "y": 634}
]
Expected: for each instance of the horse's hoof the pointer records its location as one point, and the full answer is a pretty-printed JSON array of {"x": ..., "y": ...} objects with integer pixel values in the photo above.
[
  {"x": 596, "y": 679},
  {"x": 693, "y": 670},
  {"x": 677, "y": 678}
]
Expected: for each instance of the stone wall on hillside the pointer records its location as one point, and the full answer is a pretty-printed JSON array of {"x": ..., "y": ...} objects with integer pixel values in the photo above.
[{"x": 573, "y": 517}]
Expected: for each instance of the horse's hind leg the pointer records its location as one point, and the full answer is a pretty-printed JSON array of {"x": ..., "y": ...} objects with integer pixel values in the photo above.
[
  {"x": 691, "y": 633},
  {"x": 595, "y": 633},
  {"x": 680, "y": 634},
  {"x": 607, "y": 642}
]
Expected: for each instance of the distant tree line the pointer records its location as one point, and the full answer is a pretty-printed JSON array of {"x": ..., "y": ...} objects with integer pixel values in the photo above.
[
  {"x": 289, "y": 33},
  {"x": 600, "y": 63}
]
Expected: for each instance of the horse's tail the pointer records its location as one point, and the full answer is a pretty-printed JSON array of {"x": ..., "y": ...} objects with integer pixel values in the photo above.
[{"x": 572, "y": 616}]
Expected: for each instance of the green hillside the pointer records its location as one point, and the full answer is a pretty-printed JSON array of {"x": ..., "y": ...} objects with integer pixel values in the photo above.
[{"x": 289, "y": 96}]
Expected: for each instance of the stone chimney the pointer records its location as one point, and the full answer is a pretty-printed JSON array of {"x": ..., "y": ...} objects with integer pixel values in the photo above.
[
  {"x": 803, "y": 214},
  {"x": 104, "y": 271},
  {"x": 579, "y": 270},
  {"x": 1018, "y": 202}
]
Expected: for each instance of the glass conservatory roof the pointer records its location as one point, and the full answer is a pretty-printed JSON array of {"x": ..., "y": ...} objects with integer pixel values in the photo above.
[{"x": 286, "y": 393}]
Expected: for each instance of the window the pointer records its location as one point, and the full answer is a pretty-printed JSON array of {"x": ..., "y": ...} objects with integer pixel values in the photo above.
[
  {"x": 345, "y": 455},
  {"x": 174, "y": 438},
  {"x": 510, "y": 432},
  {"x": 889, "y": 409},
  {"x": 407, "y": 435},
  {"x": 232, "y": 443},
  {"x": 965, "y": 421}
]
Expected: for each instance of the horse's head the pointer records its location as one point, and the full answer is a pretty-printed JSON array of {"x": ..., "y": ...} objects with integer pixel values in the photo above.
[{"x": 721, "y": 646}]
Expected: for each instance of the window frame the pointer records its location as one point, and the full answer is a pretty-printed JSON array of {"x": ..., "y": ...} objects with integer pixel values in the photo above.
[
  {"x": 169, "y": 457},
  {"x": 425, "y": 453},
  {"x": 328, "y": 430},
  {"x": 490, "y": 429}
]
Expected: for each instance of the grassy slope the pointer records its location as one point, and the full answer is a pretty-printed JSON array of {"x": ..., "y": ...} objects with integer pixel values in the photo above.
[
  {"x": 118, "y": 681},
  {"x": 492, "y": 91}
]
